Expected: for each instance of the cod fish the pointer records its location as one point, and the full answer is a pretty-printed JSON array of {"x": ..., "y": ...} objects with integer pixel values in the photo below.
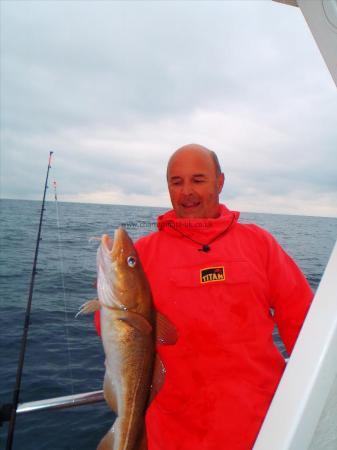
[{"x": 128, "y": 323}]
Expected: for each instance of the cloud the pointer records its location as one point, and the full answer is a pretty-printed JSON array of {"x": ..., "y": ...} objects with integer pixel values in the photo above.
[{"x": 114, "y": 87}]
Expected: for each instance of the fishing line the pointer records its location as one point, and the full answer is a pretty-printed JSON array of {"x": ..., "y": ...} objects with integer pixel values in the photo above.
[{"x": 63, "y": 286}]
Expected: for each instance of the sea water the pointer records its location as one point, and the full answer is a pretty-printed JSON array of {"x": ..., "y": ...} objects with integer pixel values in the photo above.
[{"x": 64, "y": 354}]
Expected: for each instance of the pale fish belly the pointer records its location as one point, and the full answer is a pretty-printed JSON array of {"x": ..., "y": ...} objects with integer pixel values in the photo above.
[{"x": 129, "y": 364}]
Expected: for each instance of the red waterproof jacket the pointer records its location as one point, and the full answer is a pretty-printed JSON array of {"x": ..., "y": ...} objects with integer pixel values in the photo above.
[{"x": 223, "y": 371}]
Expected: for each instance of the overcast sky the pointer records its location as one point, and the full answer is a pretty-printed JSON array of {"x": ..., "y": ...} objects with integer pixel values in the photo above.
[{"x": 113, "y": 88}]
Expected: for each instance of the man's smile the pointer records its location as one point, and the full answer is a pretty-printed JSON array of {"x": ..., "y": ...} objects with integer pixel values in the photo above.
[{"x": 190, "y": 205}]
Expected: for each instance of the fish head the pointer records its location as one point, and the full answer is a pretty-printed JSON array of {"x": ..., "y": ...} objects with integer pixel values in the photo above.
[{"x": 121, "y": 280}]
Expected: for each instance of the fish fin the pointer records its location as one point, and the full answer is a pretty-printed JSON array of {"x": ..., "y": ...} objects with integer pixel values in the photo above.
[
  {"x": 89, "y": 307},
  {"x": 107, "y": 442},
  {"x": 110, "y": 393},
  {"x": 136, "y": 321},
  {"x": 166, "y": 332},
  {"x": 158, "y": 378}
]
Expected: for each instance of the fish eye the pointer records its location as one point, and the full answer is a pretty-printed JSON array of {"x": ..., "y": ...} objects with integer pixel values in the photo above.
[{"x": 132, "y": 261}]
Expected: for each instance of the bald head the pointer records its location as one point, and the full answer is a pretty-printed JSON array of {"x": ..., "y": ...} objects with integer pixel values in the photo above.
[
  {"x": 196, "y": 148},
  {"x": 195, "y": 181}
]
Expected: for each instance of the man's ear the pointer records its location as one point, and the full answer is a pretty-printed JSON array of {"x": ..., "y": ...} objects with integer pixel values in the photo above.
[{"x": 220, "y": 182}]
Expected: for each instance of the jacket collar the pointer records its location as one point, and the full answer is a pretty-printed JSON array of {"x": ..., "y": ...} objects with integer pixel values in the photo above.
[{"x": 199, "y": 229}]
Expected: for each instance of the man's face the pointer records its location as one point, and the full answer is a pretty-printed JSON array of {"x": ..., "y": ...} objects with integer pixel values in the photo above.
[{"x": 193, "y": 184}]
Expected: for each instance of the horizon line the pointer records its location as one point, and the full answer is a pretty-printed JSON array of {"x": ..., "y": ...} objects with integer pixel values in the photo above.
[{"x": 167, "y": 207}]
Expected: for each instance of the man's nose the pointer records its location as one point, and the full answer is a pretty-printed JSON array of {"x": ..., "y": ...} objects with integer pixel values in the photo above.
[{"x": 187, "y": 188}]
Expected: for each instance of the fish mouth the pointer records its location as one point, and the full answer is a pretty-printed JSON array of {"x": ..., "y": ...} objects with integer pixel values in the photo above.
[
  {"x": 107, "y": 242},
  {"x": 118, "y": 244},
  {"x": 115, "y": 250},
  {"x": 121, "y": 245}
]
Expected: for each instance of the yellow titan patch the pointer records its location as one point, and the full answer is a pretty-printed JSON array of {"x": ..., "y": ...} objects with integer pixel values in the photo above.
[{"x": 212, "y": 274}]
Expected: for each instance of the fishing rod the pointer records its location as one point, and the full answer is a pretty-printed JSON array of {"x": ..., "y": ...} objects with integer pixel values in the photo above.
[{"x": 16, "y": 392}]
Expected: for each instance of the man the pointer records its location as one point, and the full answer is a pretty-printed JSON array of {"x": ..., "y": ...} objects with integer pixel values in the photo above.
[{"x": 223, "y": 285}]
